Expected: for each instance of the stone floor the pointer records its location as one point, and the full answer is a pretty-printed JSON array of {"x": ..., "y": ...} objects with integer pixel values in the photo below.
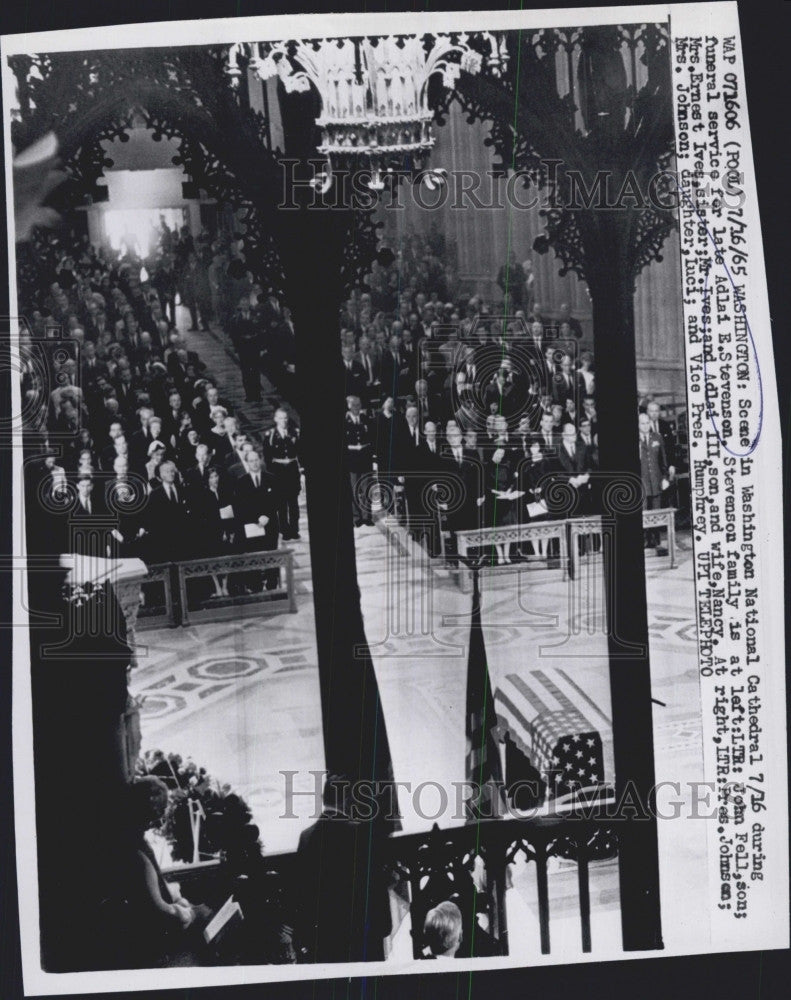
[{"x": 243, "y": 698}]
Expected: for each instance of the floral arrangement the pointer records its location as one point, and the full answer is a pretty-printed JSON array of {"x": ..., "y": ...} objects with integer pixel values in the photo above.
[{"x": 202, "y": 807}]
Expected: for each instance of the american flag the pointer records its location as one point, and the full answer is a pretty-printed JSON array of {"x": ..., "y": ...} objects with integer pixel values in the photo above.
[
  {"x": 544, "y": 713},
  {"x": 484, "y": 766}
]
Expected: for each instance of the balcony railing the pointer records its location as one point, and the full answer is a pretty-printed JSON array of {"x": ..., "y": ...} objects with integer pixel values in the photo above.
[
  {"x": 466, "y": 864},
  {"x": 252, "y": 583}
]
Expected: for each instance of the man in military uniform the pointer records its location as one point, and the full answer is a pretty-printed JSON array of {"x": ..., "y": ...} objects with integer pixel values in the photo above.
[
  {"x": 359, "y": 452},
  {"x": 281, "y": 454}
]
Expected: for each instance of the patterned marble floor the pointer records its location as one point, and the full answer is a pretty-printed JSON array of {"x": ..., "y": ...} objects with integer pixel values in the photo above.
[{"x": 242, "y": 698}]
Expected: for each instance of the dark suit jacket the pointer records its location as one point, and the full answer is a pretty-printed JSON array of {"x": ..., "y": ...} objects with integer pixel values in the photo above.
[
  {"x": 408, "y": 453},
  {"x": 567, "y": 466},
  {"x": 504, "y": 399},
  {"x": 668, "y": 436},
  {"x": 385, "y": 444},
  {"x": 250, "y": 503},
  {"x": 340, "y": 891},
  {"x": 196, "y": 479},
  {"x": 653, "y": 464},
  {"x": 572, "y": 465},
  {"x": 395, "y": 374},
  {"x": 220, "y": 445},
  {"x": 550, "y": 451},
  {"x": 354, "y": 380},
  {"x": 207, "y": 536},
  {"x": 138, "y": 448},
  {"x": 167, "y": 524},
  {"x": 91, "y": 374},
  {"x": 376, "y": 366},
  {"x": 465, "y": 513},
  {"x": 561, "y": 390}
]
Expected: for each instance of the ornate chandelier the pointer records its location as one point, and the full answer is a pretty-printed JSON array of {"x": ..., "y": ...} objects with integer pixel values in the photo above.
[{"x": 373, "y": 90}]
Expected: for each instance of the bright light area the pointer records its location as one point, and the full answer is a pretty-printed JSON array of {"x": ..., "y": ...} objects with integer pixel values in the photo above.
[{"x": 138, "y": 229}]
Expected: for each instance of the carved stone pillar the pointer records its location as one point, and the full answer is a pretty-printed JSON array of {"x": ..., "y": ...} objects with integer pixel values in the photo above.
[
  {"x": 127, "y": 584},
  {"x": 126, "y": 577}
]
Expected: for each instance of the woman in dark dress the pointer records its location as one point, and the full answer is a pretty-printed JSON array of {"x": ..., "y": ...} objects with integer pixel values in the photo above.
[
  {"x": 214, "y": 531},
  {"x": 499, "y": 506},
  {"x": 160, "y": 922},
  {"x": 533, "y": 476}
]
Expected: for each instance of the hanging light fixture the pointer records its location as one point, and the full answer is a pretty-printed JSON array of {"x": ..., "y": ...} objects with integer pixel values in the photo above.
[{"x": 374, "y": 90}]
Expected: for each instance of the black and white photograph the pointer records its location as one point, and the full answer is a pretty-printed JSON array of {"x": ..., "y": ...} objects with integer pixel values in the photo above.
[{"x": 393, "y": 584}]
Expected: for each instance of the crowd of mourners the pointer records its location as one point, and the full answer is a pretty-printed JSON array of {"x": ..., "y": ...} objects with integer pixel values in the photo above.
[
  {"x": 465, "y": 413},
  {"x": 445, "y": 390},
  {"x": 461, "y": 413},
  {"x": 132, "y": 450}
]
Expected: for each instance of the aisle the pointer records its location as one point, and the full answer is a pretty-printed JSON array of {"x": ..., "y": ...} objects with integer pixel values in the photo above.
[{"x": 218, "y": 354}]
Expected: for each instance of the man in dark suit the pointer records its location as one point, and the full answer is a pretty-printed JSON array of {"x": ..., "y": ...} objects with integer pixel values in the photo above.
[
  {"x": 342, "y": 906},
  {"x": 432, "y": 463},
  {"x": 359, "y": 457},
  {"x": 549, "y": 370},
  {"x": 589, "y": 413},
  {"x": 131, "y": 341},
  {"x": 565, "y": 384},
  {"x": 564, "y": 316},
  {"x": 171, "y": 419},
  {"x": 177, "y": 365},
  {"x": 235, "y": 461},
  {"x": 665, "y": 430},
  {"x": 535, "y": 342},
  {"x": 196, "y": 478},
  {"x": 410, "y": 464},
  {"x": 166, "y": 518},
  {"x": 371, "y": 365},
  {"x": 140, "y": 439},
  {"x": 88, "y": 525},
  {"x": 125, "y": 392},
  {"x": 395, "y": 369},
  {"x": 255, "y": 505},
  {"x": 572, "y": 466},
  {"x": 91, "y": 367},
  {"x": 245, "y": 332},
  {"x": 548, "y": 436},
  {"x": 410, "y": 338},
  {"x": 123, "y": 496},
  {"x": 500, "y": 397},
  {"x": 591, "y": 445},
  {"x": 353, "y": 373},
  {"x": 427, "y": 406},
  {"x": 462, "y": 465},
  {"x": 653, "y": 471}
]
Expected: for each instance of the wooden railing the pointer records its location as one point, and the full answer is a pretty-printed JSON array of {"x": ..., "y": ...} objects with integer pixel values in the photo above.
[
  {"x": 467, "y": 864},
  {"x": 271, "y": 589},
  {"x": 557, "y": 543},
  {"x": 154, "y": 613},
  {"x": 270, "y": 573}
]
